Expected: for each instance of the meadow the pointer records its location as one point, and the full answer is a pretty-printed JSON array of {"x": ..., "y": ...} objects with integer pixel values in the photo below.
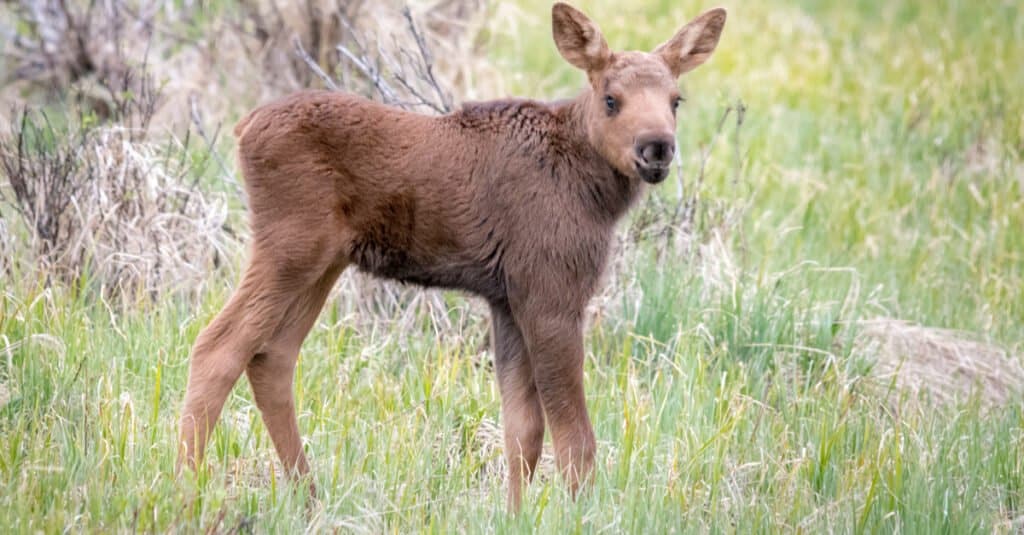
[{"x": 815, "y": 325}]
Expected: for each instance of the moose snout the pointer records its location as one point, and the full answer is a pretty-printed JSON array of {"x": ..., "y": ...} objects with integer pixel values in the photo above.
[
  {"x": 657, "y": 152},
  {"x": 654, "y": 154}
]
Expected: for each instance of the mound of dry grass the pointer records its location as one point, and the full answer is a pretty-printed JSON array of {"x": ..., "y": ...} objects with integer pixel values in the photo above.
[{"x": 939, "y": 366}]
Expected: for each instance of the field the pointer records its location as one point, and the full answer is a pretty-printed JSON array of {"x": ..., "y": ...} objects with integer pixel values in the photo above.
[{"x": 815, "y": 325}]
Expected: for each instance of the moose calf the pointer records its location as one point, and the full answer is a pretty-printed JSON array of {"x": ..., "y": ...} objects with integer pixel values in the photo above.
[{"x": 512, "y": 200}]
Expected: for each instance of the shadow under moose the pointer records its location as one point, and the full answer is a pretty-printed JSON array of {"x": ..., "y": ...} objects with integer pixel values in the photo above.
[{"x": 513, "y": 200}]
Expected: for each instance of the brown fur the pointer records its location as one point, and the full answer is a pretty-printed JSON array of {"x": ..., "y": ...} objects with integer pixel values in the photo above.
[{"x": 514, "y": 201}]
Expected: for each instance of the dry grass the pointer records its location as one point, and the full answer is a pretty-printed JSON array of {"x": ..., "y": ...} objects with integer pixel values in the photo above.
[
  {"x": 108, "y": 203},
  {"x": 940, "y": 366},
  {"x": 144, "y": 227}
]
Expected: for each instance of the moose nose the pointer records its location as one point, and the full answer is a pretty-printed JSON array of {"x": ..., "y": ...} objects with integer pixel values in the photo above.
[{"x": 655, "y": 151}]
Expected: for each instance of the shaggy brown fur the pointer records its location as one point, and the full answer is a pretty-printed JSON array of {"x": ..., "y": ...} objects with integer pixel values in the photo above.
[{"x": 514, "y": 201}]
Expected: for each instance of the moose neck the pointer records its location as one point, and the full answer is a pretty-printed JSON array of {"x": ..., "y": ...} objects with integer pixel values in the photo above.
[{"x": 606, "y": 191}]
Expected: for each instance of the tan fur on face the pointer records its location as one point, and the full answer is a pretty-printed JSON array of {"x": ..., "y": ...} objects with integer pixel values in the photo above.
[{"x": 644, "y": 88}]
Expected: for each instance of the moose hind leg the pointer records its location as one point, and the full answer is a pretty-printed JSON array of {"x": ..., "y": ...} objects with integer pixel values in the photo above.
[
  {"x": 254, "y": 316},
  {"x": 521, "y": 413},
  {"x": 271, "y": 373},
  {"x": 220, "y": 354}
]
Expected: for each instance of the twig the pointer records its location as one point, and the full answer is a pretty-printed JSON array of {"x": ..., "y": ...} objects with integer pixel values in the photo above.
[
  {"x": 741, "y": 111},
  {"x": 427, "y": 65},
  {"x": 362, "y": 62},
  {"x": 313, "y": 65},
  {"x": 686, "y": 208},
  {"x": 211, "y": 148},
  {"x": 409, "y": 70},
  {"x": 705, "y": 156}
]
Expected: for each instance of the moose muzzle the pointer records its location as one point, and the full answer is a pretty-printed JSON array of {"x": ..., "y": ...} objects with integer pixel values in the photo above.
[{"x": 654, "y": 157}]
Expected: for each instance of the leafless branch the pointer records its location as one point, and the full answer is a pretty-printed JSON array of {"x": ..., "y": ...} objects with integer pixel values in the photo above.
[
  {"x": 407, "y": 78},
  {"x": 211, "y": 143},
  {"x": 300, "y": 51}
]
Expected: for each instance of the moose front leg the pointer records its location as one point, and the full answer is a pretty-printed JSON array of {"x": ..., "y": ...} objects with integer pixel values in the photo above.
[
  {"x": 521, "y": 412},
  {"x": 555, "y": 344}
]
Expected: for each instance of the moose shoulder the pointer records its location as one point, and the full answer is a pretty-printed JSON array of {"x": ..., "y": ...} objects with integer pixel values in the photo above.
[{"x": 512, "y": 200}]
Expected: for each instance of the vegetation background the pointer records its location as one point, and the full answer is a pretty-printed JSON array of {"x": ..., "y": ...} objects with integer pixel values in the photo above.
[{"x": 816, "y": 325}]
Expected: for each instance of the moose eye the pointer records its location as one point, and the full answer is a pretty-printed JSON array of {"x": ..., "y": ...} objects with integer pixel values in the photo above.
[{"x": 611, "y": 104}]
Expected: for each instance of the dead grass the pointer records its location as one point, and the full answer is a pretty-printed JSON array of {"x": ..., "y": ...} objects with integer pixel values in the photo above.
[
  {"x": 109, "y": 203},
  {"x": 939, "y": 366},
  {"x": 6, "y": 247},
  {"x": 490, "y": 444},
  {"x": 145, "y": 228}
]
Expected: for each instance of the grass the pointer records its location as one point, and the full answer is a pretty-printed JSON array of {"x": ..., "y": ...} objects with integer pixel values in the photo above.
[{"x": 881, "y": 172}]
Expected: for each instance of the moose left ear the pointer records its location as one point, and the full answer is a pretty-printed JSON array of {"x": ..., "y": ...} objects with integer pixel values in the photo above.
[{"x": 693, "y": 43}]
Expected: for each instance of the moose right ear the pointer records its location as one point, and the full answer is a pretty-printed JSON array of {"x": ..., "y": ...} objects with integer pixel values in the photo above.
[{"x": 578, "y": 39}]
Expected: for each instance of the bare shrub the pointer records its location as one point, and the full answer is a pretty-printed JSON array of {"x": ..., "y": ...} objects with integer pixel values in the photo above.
[
  {"x": 97, "y": 54},
  {"x": 83, "y": 51},
  {"x": 271, "y": 26},
  {"x": 94, "y": 192},
  {"x": 42, "y": 165},
  {"x": 55, "y": 49},
  {"x": 98, "y": 200},
  {"x": 47, "y": 165},
  {"x": 403, "y": 76}
]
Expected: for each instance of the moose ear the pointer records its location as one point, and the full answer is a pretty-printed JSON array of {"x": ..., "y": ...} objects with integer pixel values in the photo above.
[
  {"x": 578, "y": 39},
  {"x": 693, "y": 43}
]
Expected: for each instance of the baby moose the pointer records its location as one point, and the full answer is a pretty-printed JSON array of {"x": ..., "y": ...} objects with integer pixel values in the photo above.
[{"x": 514, "y": 201}]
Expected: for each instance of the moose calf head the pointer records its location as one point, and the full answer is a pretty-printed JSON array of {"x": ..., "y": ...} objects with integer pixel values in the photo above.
[{"x": 633, "y": 95}]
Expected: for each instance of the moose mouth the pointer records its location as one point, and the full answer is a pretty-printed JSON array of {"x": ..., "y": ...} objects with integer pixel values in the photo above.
[{"x": 652, "y": 174}]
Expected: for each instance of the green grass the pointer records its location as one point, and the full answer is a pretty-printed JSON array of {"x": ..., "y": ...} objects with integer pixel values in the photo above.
[{"x": 882, "y": 173}]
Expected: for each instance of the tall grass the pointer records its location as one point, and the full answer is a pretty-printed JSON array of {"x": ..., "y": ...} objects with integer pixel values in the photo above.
[{"x": 879, "y": 171}]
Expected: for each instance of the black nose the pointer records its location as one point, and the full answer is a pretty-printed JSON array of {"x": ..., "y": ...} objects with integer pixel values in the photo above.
[{"x": 657, "y": 152}]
